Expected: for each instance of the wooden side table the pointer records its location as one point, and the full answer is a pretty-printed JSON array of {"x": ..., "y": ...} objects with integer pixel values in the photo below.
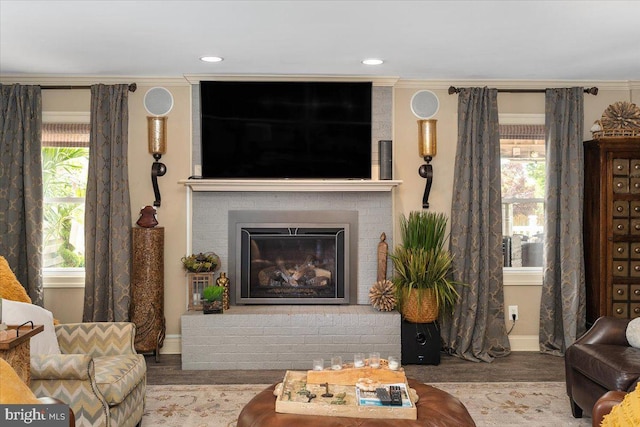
[{"x": 16, "y": 349}]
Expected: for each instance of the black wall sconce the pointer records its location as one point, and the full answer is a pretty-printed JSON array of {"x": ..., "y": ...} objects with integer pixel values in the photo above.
[{"x": 427, "y": 148}]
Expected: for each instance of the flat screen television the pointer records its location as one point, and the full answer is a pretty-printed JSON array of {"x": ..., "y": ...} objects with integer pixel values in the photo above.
[{"x": 279, "y": 130}]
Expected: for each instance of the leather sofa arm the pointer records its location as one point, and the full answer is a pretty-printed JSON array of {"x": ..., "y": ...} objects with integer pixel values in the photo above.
[
  {"x": 604, "y": 405},
  {"x": 62, "y": 367},
  {"x": 606, "y": 330}
]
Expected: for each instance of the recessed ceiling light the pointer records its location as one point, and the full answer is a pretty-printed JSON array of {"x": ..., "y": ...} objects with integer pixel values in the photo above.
[
  {"x": 211, "y": 58},
  {"x": 372, "y": 61}
]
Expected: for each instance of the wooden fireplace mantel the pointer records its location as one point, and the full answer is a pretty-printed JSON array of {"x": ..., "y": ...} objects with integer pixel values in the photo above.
[{"x": 266, "y": 185}]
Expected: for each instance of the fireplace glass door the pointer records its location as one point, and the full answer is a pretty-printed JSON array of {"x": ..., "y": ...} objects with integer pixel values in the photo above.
[{"x": 293, "y": 265}]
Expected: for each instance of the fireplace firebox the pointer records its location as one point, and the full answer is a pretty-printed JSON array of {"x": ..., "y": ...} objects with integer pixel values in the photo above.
[{"x": 293, "y": 257}]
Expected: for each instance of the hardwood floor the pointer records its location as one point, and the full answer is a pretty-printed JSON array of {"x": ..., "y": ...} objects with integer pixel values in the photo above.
[{"x": 518, "y": 366}]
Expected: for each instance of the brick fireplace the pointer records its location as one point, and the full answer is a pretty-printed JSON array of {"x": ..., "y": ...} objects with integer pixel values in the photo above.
[{"x": 290, "y": 336}]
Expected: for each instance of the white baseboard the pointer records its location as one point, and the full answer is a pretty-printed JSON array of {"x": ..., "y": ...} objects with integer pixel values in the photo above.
[
  {"x": 172, "y": 345},
  {"x": 524, "y": 343}
]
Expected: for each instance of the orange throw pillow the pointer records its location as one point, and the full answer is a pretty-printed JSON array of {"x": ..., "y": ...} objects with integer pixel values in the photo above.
[
  {"x": 12, "y": 389},
  {"x": 10, "y": 288}
]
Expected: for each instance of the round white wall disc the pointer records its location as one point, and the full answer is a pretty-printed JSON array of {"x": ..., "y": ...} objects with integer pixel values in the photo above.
[
  {"x": 158, "y": 101},
  {"x": 424, "y": 104}
]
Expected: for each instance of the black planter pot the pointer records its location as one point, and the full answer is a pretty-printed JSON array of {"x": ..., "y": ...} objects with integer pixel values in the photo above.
[{"x": 212, "y": 307}]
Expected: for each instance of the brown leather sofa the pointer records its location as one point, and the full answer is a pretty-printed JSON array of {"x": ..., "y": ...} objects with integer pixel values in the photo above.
[{"x": 600, "y": 361}]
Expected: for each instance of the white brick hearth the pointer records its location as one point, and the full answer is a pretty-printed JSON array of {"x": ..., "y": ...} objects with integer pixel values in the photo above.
[{"x": 286, "y": 337}]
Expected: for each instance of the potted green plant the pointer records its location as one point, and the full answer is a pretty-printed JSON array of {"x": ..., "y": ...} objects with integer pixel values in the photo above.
[
  {"x": 422, "y": 264},
  {"x": 212, "y": 299}
]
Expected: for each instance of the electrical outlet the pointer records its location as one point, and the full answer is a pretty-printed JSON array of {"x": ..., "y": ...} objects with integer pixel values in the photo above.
[{"x": 513, "y": 310}]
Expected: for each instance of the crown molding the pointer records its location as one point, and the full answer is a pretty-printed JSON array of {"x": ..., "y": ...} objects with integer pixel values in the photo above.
[
  {"x": 48, "y": 80},
  {"x": 376, "y": 80},
  {"x": 517, "y": 84}
]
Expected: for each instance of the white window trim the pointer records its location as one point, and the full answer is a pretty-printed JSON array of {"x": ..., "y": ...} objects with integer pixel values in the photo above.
[
  {"x": 522, "y": 276},
  {"x": 57, "y": 278}
]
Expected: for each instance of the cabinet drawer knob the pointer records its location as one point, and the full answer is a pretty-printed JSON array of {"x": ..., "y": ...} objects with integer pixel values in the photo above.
[
  {"x": 619, "y": 209},
  {"x": 620, "y": 249},
  {"x": 637, "y": 250},
  {"x": 636, "y": 208},
  {"x": 619, "y": 291},
  {"x": 619, "y": 184},
  {"x": 636, "y": 310},
  {"x": 619, "y": 167},
  {"x": 637, "y": 268},
  {"x": 620, "y": 227},
  {"x": 619, "y": 268},
  {"x": 619, "y": 310},
  {"x": 636, "y": 292},
  {"x": 637, "y": 226}
]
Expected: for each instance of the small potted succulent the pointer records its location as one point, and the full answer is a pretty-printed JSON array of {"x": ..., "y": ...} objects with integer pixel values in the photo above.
[{"x": 212, "y": 299}]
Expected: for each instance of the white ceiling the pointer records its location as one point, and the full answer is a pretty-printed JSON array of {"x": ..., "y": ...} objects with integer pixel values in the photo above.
[{"x": 457, "y": 40}]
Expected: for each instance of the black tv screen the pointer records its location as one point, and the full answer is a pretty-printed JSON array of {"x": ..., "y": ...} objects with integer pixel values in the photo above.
[{"x": 298, "y": 130}]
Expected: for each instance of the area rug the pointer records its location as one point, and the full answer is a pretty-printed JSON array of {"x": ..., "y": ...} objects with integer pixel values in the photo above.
[{"x": 490, "y": 404}]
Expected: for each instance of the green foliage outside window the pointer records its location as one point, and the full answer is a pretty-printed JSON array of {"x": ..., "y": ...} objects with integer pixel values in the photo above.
[{"x": 64, "y": 172}]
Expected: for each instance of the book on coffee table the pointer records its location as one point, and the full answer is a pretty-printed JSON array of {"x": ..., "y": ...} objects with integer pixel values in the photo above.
[{"x": 370, "y": 398}]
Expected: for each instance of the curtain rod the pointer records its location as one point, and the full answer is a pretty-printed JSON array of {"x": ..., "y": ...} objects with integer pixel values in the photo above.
[
  {"x": 132, "y": 87},
  {"x": 590, "y": 90}
]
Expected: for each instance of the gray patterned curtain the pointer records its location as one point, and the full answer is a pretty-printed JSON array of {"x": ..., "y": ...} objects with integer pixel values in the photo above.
[
  {"x": 476, "y": 331},
  {"x": 562, "y": 307},
  {"x": 108, "y": 213},
  {"x": 21, "y": 185}
]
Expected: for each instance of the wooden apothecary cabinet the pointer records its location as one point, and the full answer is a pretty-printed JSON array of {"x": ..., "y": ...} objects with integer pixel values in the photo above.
[{"x": 611, "y": 228}]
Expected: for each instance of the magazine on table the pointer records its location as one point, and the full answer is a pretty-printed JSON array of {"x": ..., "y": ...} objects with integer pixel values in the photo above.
[{"x": 370, "y": 398}]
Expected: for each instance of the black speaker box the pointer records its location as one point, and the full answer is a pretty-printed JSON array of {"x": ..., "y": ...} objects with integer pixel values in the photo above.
[
  {"x": 385, "y": 152},
  {"x": 421, "y": 343}
]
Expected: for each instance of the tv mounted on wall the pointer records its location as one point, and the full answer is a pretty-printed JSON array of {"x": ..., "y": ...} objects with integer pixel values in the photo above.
[{"x": 280, "y": 130}]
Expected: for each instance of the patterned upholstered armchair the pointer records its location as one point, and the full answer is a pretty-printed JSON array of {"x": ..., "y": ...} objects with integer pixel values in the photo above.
[{"x": 99, "y": 374}]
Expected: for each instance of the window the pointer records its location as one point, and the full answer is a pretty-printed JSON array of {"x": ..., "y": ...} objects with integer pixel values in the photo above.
[
  {"x": 522, "y": 158},
  {"x": 65, "y": 159}
]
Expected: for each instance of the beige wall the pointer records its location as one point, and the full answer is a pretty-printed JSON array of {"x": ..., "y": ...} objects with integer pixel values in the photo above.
[{"x": 172, "y": 215}]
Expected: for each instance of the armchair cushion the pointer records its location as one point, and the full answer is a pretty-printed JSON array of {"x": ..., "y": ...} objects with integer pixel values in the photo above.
[
  {"x": 117, "y": 376},
  {"x": 16, "y": 313}
]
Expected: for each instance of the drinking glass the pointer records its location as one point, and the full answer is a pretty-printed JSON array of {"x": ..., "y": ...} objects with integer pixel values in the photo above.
[
  {"x": 394, "y": 364},
  {"x": 336, "y": 363},
  {"x": 358, "y": 360},
  {"x": 374, "y": 360},
  {"x": 318, "y": 364}
]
